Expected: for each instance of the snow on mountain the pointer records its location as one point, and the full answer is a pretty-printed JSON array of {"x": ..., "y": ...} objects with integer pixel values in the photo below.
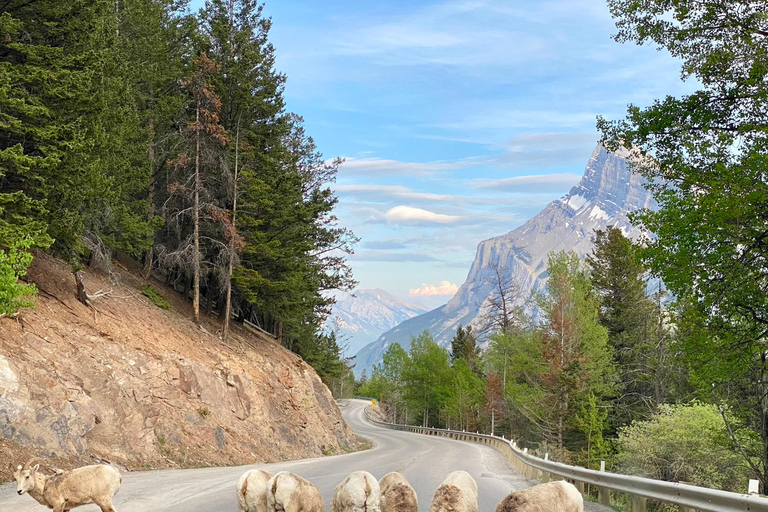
[
  {"x": 360, "y": 316},
  {"x": 607, "y": 192}
]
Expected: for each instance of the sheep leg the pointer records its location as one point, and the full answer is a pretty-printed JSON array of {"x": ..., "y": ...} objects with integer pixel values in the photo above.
[{"x": 106, "y": 506}]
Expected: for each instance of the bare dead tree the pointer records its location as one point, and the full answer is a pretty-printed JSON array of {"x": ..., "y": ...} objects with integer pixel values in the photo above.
[{"x": 502, "y": 310}]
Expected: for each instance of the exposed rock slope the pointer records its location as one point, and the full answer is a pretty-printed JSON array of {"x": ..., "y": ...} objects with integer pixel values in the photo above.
[
  {"x": 607, "y": 192},
  {"x": 361, "y": 316},
  {"x": 145, "y": 388}
]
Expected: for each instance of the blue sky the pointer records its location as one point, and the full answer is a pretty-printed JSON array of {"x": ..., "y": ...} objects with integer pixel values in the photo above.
[{"x": 458, "y": 119}]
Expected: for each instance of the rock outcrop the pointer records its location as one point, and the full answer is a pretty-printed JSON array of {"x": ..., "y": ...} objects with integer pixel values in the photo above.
[
  {"x": 145, "y": 388},
  {"x": 606, "y": 194}
]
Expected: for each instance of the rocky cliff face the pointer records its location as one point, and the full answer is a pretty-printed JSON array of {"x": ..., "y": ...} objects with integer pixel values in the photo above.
[
  {"x": 606, "y": 194},
  {"x": 145, "y": 388},
  {"x": 361, "y": 316}
]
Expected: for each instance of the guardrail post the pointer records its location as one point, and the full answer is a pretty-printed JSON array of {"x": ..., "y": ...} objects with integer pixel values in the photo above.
[
  {"x": 603, "y": 493},
  {"x": 638, "y": 503},
  {"x": 580, "y": 488},
  {"x": 545, "y": 475}
]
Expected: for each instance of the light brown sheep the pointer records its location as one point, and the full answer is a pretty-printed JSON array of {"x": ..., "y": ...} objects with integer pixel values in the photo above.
[
  {"x": 550, "y": 497},
  {"x": 457, "y": 493},
  {"x": 287, "y": 492},
  {"x": 252, "y": 491},
  {"x": 69, "y": 489},
  {"x": 397, "y": 495},
  {"x": 359, "y": 492}
]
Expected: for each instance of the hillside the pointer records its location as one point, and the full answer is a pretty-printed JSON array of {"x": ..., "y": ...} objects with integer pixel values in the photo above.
[
  {"x": 145, "y": 388},
  {"x": 606, "y": 194},
  {"x": 361, "y": 316}
]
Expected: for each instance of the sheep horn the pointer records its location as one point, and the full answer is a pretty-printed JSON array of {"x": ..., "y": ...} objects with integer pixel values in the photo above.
[{"x": 33, "y": 460}]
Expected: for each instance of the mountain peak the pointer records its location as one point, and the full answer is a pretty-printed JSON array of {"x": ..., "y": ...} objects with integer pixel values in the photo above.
[
  {"x": 606, "y": 194},
  {"x": 361, "y": 315}
]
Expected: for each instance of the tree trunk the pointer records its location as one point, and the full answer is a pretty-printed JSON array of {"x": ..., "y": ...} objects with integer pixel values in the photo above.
[
  {"x": 149, "y": 256},
  {"x": 196, "y": 215},
  {"x": 81, "y": 295},
  {"x": 209, "y": 298},
  {"x": 228, "y": 300}
]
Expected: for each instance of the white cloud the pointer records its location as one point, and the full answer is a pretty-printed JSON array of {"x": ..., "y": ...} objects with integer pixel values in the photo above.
[
  {"x": 410, "y": 215},
  {"x": 530, "y": 184},
  {"x": 392, "y": 191},
  {"x": 380, "y": 166},
  {"x": 443, "y": 288}
]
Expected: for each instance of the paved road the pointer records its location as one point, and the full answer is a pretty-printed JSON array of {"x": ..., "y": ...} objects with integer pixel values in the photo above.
[{"x": 424, "y": 460}]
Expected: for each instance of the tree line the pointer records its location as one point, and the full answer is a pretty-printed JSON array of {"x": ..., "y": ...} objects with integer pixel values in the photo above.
[{"x": 135, "y": 126}]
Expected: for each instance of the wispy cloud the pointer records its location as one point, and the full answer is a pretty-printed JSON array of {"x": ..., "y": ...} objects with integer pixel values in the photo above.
[
  {"x": 393, "y": 257},
  {"x": 395, "y": 191},
  {"x": 443, "y": 288},
  {"x": 379, "y": 166},
  {"x": 529, "y": 184},
  {"x": 410, "y": 215}
]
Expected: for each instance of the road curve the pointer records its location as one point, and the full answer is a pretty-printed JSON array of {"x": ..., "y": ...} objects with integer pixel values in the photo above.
[{"x": 424, "y": 460}]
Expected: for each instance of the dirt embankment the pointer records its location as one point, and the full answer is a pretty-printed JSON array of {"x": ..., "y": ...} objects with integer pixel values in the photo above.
[{"x": 145, "y": 388}]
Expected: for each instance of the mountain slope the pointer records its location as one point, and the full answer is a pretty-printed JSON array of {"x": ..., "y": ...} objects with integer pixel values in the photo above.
[
  {"x": 607, "y": 192},
  {"x": 361, "y": 316},
  {"x": 146, "y": 387}
]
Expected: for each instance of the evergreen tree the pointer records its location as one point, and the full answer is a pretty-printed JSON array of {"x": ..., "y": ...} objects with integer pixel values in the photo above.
[
  {"x": 204, "y": 138},
  {"x": 630, "y": 317},
  {"x": 574, "y": 347},
  {"x": 464, "y": 346}
]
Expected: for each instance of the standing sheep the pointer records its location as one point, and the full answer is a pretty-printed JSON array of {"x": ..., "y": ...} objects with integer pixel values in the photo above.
[
  {"x": 359, "y": 492},
  {"x": 69, "y": 489},
  {"x": 252, "y": 491},
  {"x": 550, "y": 497},
  {"x": 397, "y": 495},
  {"x": 457, "y": 493},
  {"x": 287, "y": 492}
]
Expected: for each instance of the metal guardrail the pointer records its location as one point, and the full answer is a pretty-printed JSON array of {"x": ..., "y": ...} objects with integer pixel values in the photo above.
[{"x": 686, "y": 497}]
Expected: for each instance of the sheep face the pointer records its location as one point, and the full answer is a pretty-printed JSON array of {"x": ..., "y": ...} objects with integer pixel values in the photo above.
[{"x": 25, "y": 478}]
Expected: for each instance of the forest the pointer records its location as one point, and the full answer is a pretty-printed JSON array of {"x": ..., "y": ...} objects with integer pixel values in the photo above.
[
  {"x": 138, "y": 128},
  {"x": 649, "y": 354}
]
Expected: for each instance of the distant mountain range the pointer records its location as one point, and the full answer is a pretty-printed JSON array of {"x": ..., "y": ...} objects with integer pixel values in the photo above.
[
  {"x": 607, "y": 192},
  {"x": 359, "y": 317}
]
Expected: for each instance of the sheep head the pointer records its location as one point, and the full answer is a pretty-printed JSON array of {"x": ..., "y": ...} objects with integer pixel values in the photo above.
[{"x": 26, "y": 477}]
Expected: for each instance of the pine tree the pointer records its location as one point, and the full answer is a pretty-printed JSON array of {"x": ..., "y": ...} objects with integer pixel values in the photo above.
[
  {"x": 631, "y": 318},
  {"x": 574, "y": 347},
  {"x": 204, "y": 137},
  {"x": 464, "y": 346}
]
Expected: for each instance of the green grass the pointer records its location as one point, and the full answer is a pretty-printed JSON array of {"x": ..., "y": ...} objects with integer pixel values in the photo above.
[{"x": 155, "y": 297}]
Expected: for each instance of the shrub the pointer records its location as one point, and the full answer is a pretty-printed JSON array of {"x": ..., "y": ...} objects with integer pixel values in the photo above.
[
  {"x": 683, "y": 443},
  {"x": 15, "y": 295},
  {"x": 155, "y": 297}
]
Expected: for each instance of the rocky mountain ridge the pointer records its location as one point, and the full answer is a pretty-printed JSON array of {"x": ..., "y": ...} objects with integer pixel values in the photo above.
[
  {"x": 605, "y": 196},
  {"x": 359, "y": 317}
]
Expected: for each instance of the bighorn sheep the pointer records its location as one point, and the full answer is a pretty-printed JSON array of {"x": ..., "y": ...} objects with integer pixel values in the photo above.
[
  {"x": 550, "y": 497},
  {"x": 359, "y": 492},
  {"x": 69, "y": 489},
  {"x": 457, "y": 493},
  {"x": 287, "y": 492},
  {"x": 252, "y": 491},
  {"x": 397, "y": 495}
]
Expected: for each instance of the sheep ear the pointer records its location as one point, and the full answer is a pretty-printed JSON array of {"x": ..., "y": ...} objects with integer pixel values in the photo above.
[{"x": 34, "y": 468}]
